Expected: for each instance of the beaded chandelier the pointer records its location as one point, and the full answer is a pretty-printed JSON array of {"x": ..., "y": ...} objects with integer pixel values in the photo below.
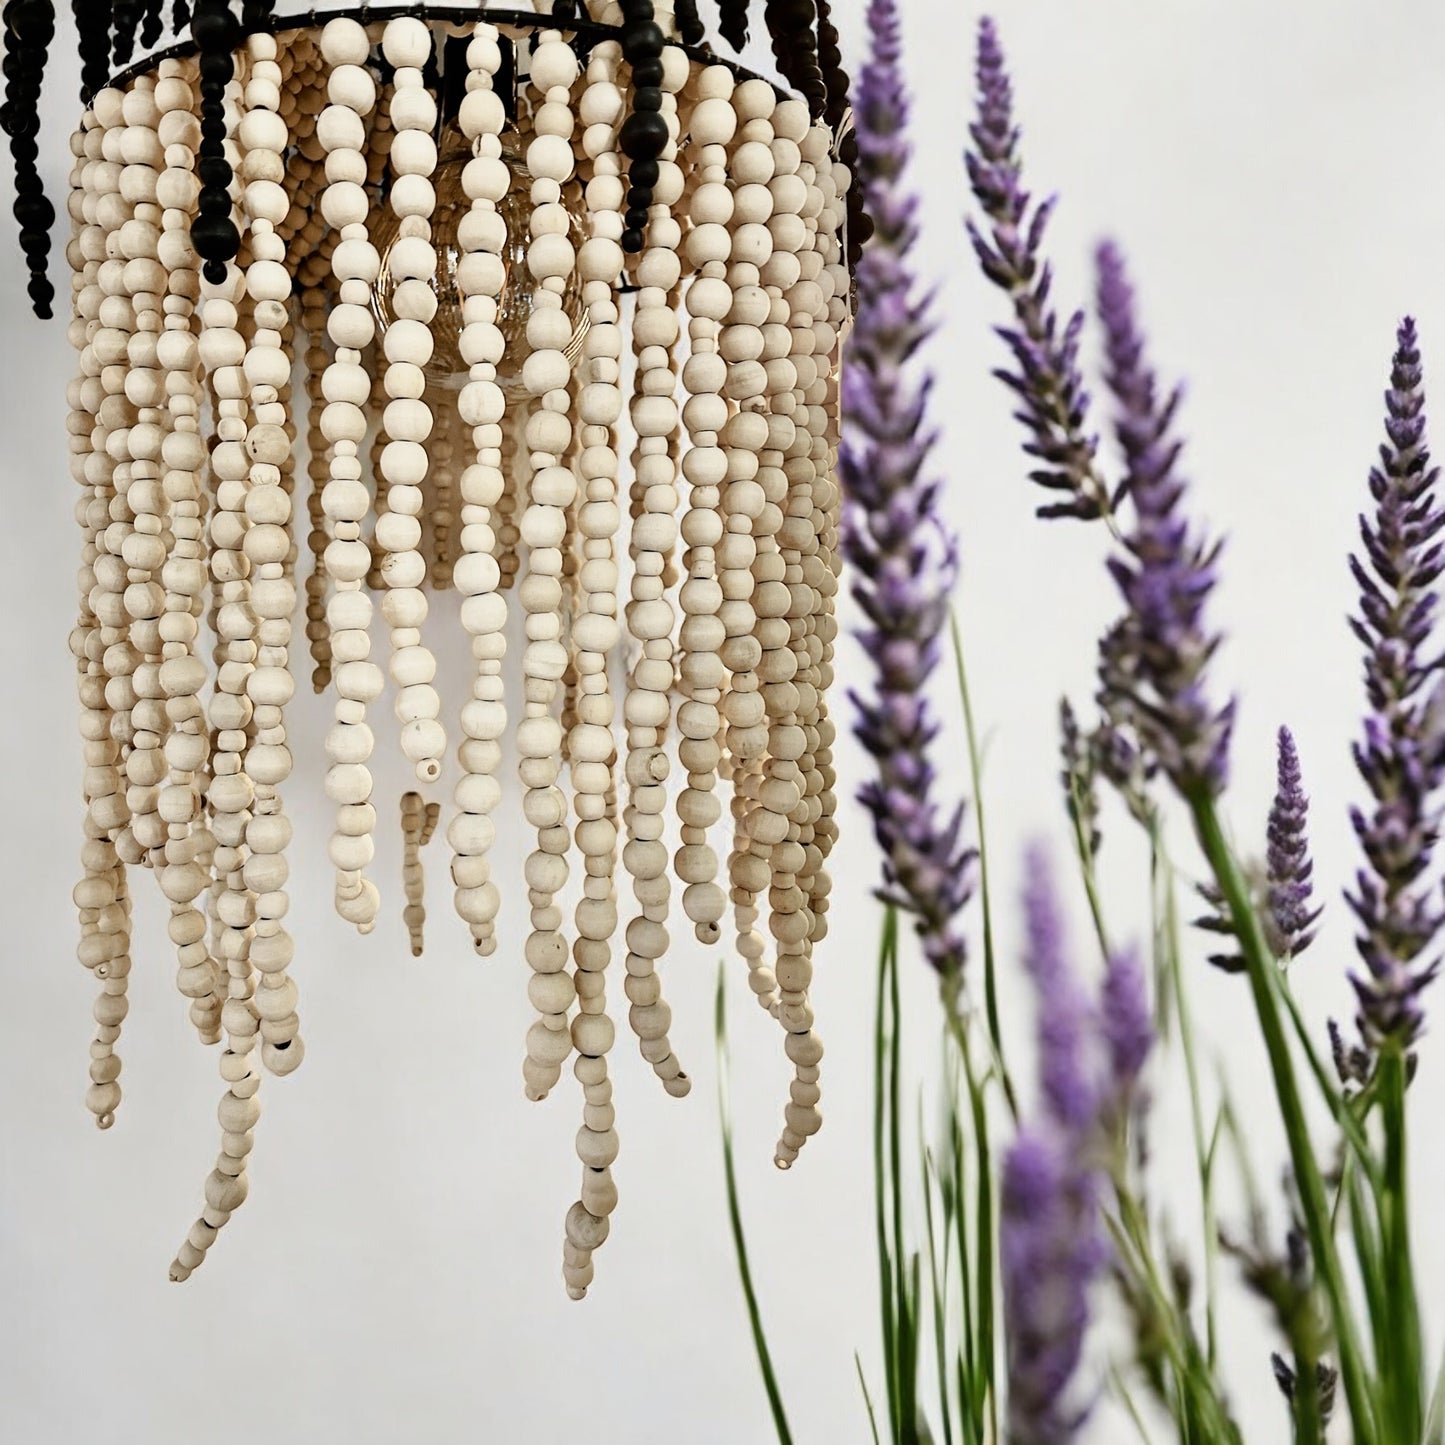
[{"x": 541, "y": 308}]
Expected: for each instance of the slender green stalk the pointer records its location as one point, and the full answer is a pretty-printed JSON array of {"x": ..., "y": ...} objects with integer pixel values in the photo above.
[
  {"x": 1261, "y": 969},
  {"x": 1163, "y": 871},
  {"x": 1402, "y": 1368},
  {"x": 990, "y": 964},
  {"x": 986, "y": 1366},
  {"x": 935, "y": 1280},
  {"x": 867, "y": 1398},
  {"x": 735, "y": 1219},
  {"x": 882, "y": 1043}
]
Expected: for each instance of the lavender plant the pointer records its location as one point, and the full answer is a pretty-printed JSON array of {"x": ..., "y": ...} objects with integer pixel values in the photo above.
[{"x": 995, "y": 1343}]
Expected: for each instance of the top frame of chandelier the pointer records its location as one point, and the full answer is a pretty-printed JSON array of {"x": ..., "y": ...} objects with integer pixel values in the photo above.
[{"x": 555, "y": 306}]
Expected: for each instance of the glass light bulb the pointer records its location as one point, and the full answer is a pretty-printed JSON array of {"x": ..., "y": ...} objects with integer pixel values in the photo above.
[{"x": 446, "y": 367}]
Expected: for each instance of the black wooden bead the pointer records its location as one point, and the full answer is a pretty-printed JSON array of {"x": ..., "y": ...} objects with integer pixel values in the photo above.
[
  {"x": 632, "y": 242},
  {"x": 642, "y": 39},
  {"x": 644, "y": 173},
  {"x": 646, "y": 98},
  {"x": 647, "y": 72},
  {"x": 636, "y": 217},
  {"x": 644, "y": 133}
]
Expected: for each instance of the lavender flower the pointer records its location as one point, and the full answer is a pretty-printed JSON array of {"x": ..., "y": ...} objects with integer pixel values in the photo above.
[
  {"x": 1051, "y": 1242},
  {"x": 903, "y": 556},
  {"x": 1124, "y": 1016},
  {"x": 1402, "y": 755},
  {"x": 1153, "y": 662},
  {"x": 1066, "y": 1017},
  {"x": 1049, "y": 1253},
  {"x": 1053, "y": 404},
  {"x": 1287, "y": 857}
]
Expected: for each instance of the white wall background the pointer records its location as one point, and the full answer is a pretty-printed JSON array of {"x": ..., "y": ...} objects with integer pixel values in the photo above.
[{"x": 394, "y": 1275}]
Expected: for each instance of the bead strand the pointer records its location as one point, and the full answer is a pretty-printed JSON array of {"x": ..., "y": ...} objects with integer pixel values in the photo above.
[
  {"x": 442, "y": 560},
  {"x": 551, "y": 490},
  {"x": 188, "y": 846},
  {"x": 223, "y": 350},
  {"x": 595, "y": 633},
  {"x": 313, "y": 317},
  {"x": 650, "y": 615},
  {"x": 481, "y": 275},
  {"x": 101, "y": 897},
  {"x": 272, "y": 598},
  {"x": 147, "y": 544},
  {"x": 708, "y": 300},
  {"x": 790, "y": 694},
  {"x": 413, "y": 824},
  {"x": 346, "y": 387},
  {"x": 407, "y": 45}
]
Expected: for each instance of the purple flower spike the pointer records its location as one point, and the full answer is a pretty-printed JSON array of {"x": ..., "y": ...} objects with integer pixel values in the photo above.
[
  {"x": 1066, "y": 1017},
  {"x": 1050, "y": 1251},
  {"x": 1153, "y": 663},
  {"x": 904, "y": 558},
  {"x": 1396, "y": 898},
  {"x": 1052, "y": 402},
  {"x": 1127, "y": 1023},
  {"x": 1052, "y": 1245},
  {"x": 1287, "y": 857}
]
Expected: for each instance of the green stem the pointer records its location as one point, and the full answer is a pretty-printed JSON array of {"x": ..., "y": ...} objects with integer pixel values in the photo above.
[
  {"x": 1261, "y": 969},
  {"x": 883, "y": 1042},
  {"x": 1402, "y": 1367},
  {"x": 1164, "y": 881},
  {"x": 735, "y": 1219},
  {"x": 990, "y": 969}
]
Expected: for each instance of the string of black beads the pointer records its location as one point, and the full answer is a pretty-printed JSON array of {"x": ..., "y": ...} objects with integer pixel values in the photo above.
[
  {"x": 214, "y": 234},
  {"x": 689, "y": 24},
  {"x": 732, "y": 22},
  {"x": 180, "y": 15},
  {"x": 127, "y": 22},
  {"x": 644, "y": 133},
  {"x": 30, "y": 27},
  {"x": 836, "y": 79},
  {"x": 795, "y": 48},
  {"x": 92, "y": 26}
]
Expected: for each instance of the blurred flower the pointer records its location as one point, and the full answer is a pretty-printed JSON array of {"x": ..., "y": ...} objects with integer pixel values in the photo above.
[
  {"x": 904, "y": 558},
  {"x": 1053, "y": 404},
  {"x": 1287, "y": 857},
  {"x": 1153, "y": 662},
  {"x": 1052, "y": 1244},
  {"x": 1396, "y": 899}
]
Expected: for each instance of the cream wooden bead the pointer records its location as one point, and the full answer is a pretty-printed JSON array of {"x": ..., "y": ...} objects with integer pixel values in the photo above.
[{"x": 481, "y": 485}]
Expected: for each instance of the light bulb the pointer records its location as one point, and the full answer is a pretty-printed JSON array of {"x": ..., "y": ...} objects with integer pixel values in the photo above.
[{"x": 446, "y": 367}]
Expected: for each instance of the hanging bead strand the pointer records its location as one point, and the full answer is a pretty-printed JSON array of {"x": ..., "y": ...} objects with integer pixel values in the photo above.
[
  {"x": 267, "y": 546},
  {"x": 481, "y": 275},
  {"x": 550, "y": 491},
  {"x": 313, "y": 318},
  {"x": 407, "y": 45},
  {"x": 595, "y": 633},
  {"x": 101, "y": 896},
  {"x": 650, "y": 615},
  {"x": 186, "y": 875},
  {"x": 347, "y": 388},
  {"x": 708, "y": 300},
  {"x": 789, "y": 691}
]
